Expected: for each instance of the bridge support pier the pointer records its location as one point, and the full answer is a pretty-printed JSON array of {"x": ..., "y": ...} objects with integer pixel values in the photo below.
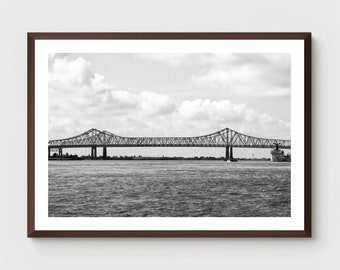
[
  {"x": 49, "y": 152},
  {"x": 229, "y": 153},
  {"x": 93, "y": 152},
  {"x": 104, "y": 152},
  {"x": 60, "y": 152}
]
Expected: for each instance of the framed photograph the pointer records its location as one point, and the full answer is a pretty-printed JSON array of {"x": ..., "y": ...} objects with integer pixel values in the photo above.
[{"x": 169, "y": 135}]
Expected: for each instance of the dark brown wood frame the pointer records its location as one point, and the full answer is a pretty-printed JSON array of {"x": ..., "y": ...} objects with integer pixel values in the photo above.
[{"x": 32, "y": 37}]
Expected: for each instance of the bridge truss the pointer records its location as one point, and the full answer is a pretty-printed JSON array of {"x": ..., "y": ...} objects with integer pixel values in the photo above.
[{"x": 223, "y": 138}]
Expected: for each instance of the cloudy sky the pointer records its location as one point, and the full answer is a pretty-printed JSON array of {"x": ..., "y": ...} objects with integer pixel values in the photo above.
[{"x": 169, "y": 94}]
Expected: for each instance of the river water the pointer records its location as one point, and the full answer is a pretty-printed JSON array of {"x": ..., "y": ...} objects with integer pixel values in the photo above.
[{"x": 168, "y": 188}]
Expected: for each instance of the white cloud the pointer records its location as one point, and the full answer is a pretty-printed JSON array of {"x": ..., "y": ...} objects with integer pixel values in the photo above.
[
  {"x": 71, "y": 73},
  {"x": 212, "y": 116},
  {"x": 255, "y": 74},
  {"x": 171, "y": 59},
  {"x": 79, "y": 99},
  {"x": 266, "y": 75},
  {"x": 155, "y": 104},
  {"x": 121, "y": 99},
  {"x": 220, "y": 111},
  {"x": 76, "y": 93}
]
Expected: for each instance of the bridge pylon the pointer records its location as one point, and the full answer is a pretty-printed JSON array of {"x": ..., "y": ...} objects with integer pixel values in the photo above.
[
  {"x": 229, "y": 156},
  {"x": 227, "y": 152},
  {"x": 93, "y": 152}
]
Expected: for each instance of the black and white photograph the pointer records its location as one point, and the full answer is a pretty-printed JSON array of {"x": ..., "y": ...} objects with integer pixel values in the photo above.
[{"x": 169, "y": 135}]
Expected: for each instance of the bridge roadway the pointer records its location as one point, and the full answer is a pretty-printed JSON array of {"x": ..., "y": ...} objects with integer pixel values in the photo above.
[{"x": 227, "y": 138}]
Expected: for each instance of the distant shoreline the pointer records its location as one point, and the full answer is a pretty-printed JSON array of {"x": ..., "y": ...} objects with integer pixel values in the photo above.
[{"x": 154, "y": 158}]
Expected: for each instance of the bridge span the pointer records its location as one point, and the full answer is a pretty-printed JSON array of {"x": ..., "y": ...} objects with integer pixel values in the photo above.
[{"x": 226, "y": 138}]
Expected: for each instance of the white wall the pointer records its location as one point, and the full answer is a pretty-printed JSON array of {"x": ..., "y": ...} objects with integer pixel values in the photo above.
[{"x": 319, "y": 17}]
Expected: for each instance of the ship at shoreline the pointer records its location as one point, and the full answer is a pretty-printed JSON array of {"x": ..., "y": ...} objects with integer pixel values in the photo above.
[{"x": 279, "y": 155}]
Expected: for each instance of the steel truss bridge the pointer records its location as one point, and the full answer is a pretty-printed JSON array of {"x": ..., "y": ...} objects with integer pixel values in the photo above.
[{"x": 227, "y": 138}]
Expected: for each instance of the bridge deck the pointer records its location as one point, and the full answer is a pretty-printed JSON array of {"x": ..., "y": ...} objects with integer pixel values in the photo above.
[{"x": 222, "y": 138}]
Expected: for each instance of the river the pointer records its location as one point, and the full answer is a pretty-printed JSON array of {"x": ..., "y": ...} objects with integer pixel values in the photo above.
[{"x": 168, "y": 188}]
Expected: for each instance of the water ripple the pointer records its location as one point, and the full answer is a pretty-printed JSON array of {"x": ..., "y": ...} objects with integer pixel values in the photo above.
[{"x": 168, "y": 189}]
